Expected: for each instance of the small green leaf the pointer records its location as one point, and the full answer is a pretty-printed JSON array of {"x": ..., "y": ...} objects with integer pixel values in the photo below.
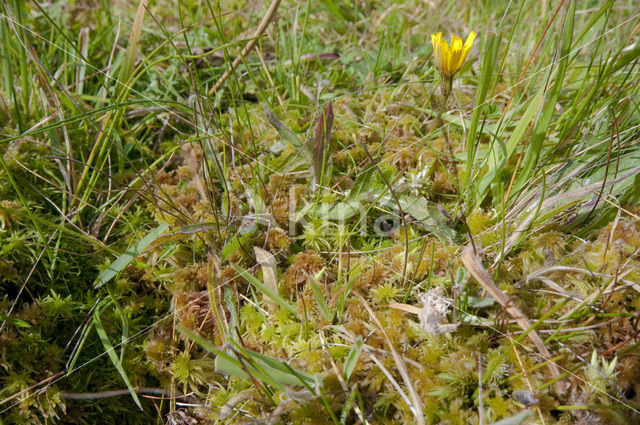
[
  {"x": 363, "y": 181},
  {"x": 16, "y": 322},
  {"x": 352, "y": 358},
  {"x": 470, "y": 319},
  {"x": 340, "y": 211},
  {"x": 476, "y": 302},
  {"x": 426, "y": 213},
  {"x": 284, "y": 131}
]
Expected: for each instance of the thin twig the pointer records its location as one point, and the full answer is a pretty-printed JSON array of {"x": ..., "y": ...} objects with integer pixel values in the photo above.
[
  {"x": 259, "y": 31},
  {"x": 116, "y": 393},
  {"x": 26, "y": 390}
]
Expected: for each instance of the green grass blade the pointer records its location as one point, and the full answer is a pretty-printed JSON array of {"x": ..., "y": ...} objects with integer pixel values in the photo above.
[
  {"x": 542, "y": 126},
  {"x": 110, "y": 350},
  {"x": 263, "y": 288},
  {"x": 134, "y": 40},
  {"x": 267, "y": 369},
  {"x": 75, "y": 354},
  {"x": 317, "y": 294},
  {"x": 487, "y": 76},
  {"x": 497, "y": 161},
  {"x": 123, "y": 261}
]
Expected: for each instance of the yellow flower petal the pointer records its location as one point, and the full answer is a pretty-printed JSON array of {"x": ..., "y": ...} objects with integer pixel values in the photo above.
[
  {"x": 467, "y": 44},
  {"x": 446, "y": 54},
  {"x": 456, "y": 42},
  {"x": 436, "y": 39},
  {"x": 456, "y": 54}
]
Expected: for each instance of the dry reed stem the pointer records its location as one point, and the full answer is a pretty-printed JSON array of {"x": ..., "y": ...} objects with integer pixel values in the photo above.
[{"x": 473, "y": 264}]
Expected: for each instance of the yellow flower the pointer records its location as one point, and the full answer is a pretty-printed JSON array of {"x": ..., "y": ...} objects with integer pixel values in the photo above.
[{"x": 449, "y": 59}]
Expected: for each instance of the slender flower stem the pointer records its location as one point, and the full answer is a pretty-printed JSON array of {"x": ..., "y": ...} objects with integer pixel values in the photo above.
[{"x": 446, "y": 88}]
